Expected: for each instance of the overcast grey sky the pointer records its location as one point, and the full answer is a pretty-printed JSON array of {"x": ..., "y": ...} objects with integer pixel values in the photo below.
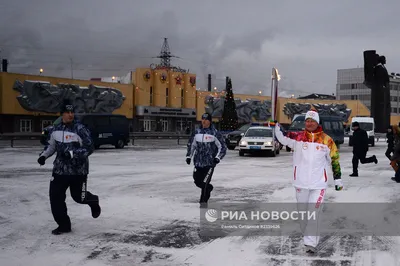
[{"x": 306, "y": 40}]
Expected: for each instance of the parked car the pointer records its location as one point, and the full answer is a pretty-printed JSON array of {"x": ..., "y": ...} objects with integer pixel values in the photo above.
[
  {"x": 331, "y": 125},
  {"x": 259, "y": 139},
  {"x": 46, "y": 131},
  {"x": 104, "y": 128},
  {"x": 232, "y": 139}
]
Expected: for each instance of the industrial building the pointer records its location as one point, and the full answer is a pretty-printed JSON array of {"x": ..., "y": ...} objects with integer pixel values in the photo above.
[
  {"x": 350, "y": 86},
  {"x": 156, "y": 100}
]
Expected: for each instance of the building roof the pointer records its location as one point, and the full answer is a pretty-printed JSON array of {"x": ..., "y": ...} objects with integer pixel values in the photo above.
[{"x": 318, "y": 96}]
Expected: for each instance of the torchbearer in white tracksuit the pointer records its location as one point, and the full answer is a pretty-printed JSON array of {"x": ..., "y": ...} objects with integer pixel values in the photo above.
[{"x": 314, "y": 153}]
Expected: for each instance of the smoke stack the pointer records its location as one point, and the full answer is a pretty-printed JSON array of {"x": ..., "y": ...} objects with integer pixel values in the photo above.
[
  {"x": 209, "y": 82},
  {"x": 4, "y": 65}
]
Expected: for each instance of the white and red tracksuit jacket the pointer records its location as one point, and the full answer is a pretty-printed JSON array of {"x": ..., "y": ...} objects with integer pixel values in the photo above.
[{"x": 314, "y": 152}]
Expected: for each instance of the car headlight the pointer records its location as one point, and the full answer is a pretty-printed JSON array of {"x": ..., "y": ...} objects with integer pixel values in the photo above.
[
  {"x": 243, "y": 142},
  {"x": 268, "y": 143}
]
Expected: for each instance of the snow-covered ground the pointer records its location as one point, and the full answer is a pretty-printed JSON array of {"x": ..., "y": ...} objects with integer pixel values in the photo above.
[{"x": 150, "y": 213}]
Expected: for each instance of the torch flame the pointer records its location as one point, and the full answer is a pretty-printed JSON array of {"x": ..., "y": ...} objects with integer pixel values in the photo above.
[{"x": 277, "y": 74}]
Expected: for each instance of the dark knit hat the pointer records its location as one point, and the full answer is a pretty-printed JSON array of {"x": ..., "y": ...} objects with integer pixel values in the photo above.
[
  {"x": 67, "y": 106},
  {"x": 207, "y": 117},
  {"x": 355, "y": 124}
]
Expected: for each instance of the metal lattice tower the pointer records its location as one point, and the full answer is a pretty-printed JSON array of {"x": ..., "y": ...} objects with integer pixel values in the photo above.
[{"x": 165, "y": 54}]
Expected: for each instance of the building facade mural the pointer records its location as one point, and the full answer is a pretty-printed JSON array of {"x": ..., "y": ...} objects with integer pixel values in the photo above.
[
  {"x": 248, "y": 111},
  {"x": 41, "y": 96},
  {"x": 291, "y": 109}
]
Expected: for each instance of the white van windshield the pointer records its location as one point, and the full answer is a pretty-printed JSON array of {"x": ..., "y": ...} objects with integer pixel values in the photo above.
[
  {"x": 366, "y": 126},
  {"x": 298, "y": 124}
]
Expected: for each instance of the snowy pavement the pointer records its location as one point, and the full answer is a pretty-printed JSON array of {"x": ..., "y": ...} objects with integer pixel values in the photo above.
[{"x": 150, "y": 213}]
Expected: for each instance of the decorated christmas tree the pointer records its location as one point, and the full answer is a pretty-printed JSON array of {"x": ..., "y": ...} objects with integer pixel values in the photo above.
[{"x": 229, "y": 119}]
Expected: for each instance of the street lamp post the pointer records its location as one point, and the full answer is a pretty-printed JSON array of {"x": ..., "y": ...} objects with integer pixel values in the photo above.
[{"x": 41, "y": 71}]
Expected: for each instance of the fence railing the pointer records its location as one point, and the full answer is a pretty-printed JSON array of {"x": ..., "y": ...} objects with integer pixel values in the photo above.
[
  {"x": 20, "y": 136},
  {"x": 12, "y": 137},
  {"x": 158, "y": 135}
]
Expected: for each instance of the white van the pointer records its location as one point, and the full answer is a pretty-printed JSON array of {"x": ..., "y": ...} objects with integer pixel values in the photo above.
[{"x": 366, "y": 123}]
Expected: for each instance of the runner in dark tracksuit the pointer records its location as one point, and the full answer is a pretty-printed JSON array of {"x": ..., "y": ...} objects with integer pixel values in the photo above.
[
  {"x": 390, "y": 142},
  {"x": 360, "y": 148},
  {"x": 207, "y": 147},
  {"x": 72, "y": 142}
]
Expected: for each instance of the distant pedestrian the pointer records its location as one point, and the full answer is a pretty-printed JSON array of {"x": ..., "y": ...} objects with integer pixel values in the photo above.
[
  {"x": 360, "y": 148},
  {"x": 390, "y": 142},
  {"x": 395, "y": 158}
]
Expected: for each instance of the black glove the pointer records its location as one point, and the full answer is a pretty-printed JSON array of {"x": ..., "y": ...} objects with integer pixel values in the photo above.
[
  {"x": 41, "y": 160},
  {"x": 188, "y": 160},
  {"x": 216, "y": 160}
]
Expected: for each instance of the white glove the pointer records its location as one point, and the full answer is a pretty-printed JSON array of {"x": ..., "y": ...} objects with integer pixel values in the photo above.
[
  {"x": 338, "y": 184},
  {"x": 277, "y": 127}
]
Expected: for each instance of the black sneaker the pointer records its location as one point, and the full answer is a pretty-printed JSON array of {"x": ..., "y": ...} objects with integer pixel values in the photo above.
[
  {"x": 208, "y": 193},
  {"x": 96, "y": 210},
  {"x": 375, "y": 160},
  {"x": 394, "y": 179},
  {"x": 353, "y": 174},
  {"x": 60, "y": 230}
]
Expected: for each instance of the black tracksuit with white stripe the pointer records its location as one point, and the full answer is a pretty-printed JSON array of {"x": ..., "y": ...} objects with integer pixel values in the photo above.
[
  {"x": 69, "y": 171},
  {"x": 205, "y": 145}
]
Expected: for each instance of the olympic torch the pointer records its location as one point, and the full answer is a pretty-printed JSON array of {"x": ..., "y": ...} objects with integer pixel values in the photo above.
[{"x": 274, "y": 93}]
